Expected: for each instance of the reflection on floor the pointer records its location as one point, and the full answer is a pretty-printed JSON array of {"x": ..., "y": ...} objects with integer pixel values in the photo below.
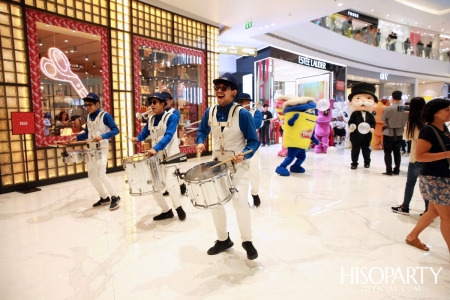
[{"x": 325, "y": 234}]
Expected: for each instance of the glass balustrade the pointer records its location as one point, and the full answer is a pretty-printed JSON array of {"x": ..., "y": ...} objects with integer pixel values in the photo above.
[{"x": 371, "y": 35}]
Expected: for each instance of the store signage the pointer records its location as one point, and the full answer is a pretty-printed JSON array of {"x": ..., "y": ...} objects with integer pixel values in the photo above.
[
  {"x": 310, "y": 62},
  {"x": 237, "y": 50},
  {"x": 22, "y": 123},
  {"x": 57, "y": 67},
  {"x": 384, "y": 76},
  {"x": 248, "y": 25},
  {"x": 353, "y": 14}
]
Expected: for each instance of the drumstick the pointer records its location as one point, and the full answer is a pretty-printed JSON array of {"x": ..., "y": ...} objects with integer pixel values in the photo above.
[{"x": 230, "y": 159}]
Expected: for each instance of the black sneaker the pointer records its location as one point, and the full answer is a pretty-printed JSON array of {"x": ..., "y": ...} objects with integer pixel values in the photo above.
[
  {"x": 183, "y": 189},
  {"x": 366, "y": 166},
  {"x": 101, "y": 202},
  {"x": 166, "y": 193},
  {"x": 387, "y": 173},
  {"x": 353, "y": 167},
  {"x": 181, "y": 214},
  {"x": 401, "y": 210},
  {"x": 256, "y": 200},
  {"x": 164, "y": 215},
  {"x": 251, "y": 251},
  {"x": 220, "y": 246},
  {"x": 114, "y": 203},
  {"x": 396, "y": 173}
]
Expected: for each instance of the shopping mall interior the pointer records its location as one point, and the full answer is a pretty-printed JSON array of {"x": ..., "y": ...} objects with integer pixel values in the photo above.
[{"x": 326, "y": 233}]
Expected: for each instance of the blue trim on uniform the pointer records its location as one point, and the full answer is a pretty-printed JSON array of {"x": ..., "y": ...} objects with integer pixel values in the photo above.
[
  {"x": 246, "y": 124},
  {"x": 172, "y": 125},
  {"x": 257, "y": 118},
  {"x": 107, "y": 120}
]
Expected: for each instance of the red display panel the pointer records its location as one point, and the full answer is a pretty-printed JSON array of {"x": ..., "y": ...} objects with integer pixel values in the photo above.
[{"x": 23, "y": 123}]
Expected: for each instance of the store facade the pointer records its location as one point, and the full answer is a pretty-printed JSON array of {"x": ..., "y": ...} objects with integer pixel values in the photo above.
[
  {"x": 277, "y": 71},
  {"x": 385, "y": 82},
  {"x": 54, "y": 53}
]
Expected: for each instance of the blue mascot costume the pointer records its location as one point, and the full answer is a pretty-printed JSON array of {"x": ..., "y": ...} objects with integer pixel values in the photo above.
[{"x": 300, "y": 120}]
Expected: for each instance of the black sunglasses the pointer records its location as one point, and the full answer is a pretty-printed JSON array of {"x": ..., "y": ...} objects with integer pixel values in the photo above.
[
  {"x": 222, "y": 88},
  {"x": 154, "y": 102}
]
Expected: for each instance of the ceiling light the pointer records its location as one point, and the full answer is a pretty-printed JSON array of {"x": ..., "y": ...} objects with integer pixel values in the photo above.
[
  {"x": 339, "y": 4},
  {"x": 429, "y": 26},
  {"x": 267, "y": 26},
  {"x": 260, "y": 28},
  {"x": 415, "y": 23},
  {"x": 401, "y": 20},
  {"x": 86, "y": 58},
  {"x": 273, "y": 24},
  {"x": 66, "y": 41},
  {"x": 387, "y": 15},
  {"x": 73, "y": 30},
  {"x": 48, "y": 24},
  {"x": 94, "y": 64},
  {"x": 102, "y": 71},
  {"x": 40, "y": 42},
  {"x": 372, "y": 10},
  {"x": 423, "y": 82}
]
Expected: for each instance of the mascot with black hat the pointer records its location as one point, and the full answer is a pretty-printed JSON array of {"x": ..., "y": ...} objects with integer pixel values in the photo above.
[{"x": 361, "y": 122}]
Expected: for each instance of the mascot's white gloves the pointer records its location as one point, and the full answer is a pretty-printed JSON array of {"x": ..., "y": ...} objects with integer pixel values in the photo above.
[
  {"x": 352, "y": 127},
  {"x": 372, "y": 130}
]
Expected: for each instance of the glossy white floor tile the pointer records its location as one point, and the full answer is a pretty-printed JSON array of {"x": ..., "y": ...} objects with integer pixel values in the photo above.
[{"x": 312, "y": 231}]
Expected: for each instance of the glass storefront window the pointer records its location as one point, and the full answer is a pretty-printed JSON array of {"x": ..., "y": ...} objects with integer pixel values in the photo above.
[
  {"x": 67, "y": 63},
  {"x": 179, "y": 71}
]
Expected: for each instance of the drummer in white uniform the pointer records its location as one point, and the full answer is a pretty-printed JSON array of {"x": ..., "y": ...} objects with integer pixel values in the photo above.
[
  {"x": 100, "y": 127},
  {"x": 162, "y": 128},
  {"x": 246, "y": 101},
  {"x": 234, "y": 133},
  {"x": 172, "y": 110}
]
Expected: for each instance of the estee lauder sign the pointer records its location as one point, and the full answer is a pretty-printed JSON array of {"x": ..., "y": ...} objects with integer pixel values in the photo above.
[{"x": 312, "y": 62}]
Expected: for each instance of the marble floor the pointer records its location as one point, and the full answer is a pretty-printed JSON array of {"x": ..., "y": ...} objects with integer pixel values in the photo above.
[{"x": 325, "y": 234}]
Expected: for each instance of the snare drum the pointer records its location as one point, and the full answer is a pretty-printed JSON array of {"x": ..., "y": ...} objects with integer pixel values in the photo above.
[
  {"x": 145, "y": 175},
  {"x": 72, "y": 156},
  {"x": 92, "y": 155},
  {"x": 209, "y": 188}
]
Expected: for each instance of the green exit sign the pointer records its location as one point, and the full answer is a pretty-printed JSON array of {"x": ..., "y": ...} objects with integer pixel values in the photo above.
[{"x": 248, "y": 25}]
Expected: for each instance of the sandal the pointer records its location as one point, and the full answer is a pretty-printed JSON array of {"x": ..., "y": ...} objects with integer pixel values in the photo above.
[{"x": 416, "y": 243}]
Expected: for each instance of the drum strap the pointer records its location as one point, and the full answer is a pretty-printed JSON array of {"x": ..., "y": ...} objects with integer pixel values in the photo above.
[
  {"x": 218, "y": 126},
  {"x": 156, "y": 131}
]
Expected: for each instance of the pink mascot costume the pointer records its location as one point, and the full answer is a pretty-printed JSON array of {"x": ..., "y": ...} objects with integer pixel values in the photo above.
[
  {"x": 279, "y": 101},
  {"x": 323, "y": 128}
]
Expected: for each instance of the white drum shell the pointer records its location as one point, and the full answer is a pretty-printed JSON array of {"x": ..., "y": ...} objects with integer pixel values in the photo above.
[
  {"x": 75, "y": 155},
  {"x": 92, "y": 155},
  {"x": 145, "y": 175},
  {"x": 212, "y": 192}
]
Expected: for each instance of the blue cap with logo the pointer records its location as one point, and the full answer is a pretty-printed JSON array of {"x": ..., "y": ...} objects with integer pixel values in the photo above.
[
  {"x": 167, "y": 95},
  {"x": 91, "y": 97},
  {"x": 244, "y": 96},
  {"x": 158, "y": 96},
  {"x": 228, "y": 79}
]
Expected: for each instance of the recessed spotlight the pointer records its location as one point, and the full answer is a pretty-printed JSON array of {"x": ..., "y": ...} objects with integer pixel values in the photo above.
[
  {"x": 273, "y": 24},
  {"x": 415, "y": 24},
  {"x": 387, "y": 15},
  {"x": 372, "y": 10},
  {"x": 260, "y": 28},
  {"x": 48, "y": 24},
  {"x": 66, "y": 41},
  {"x": 442, "y": 29},
  {"x": 267, "y": 26},
  {"x": 429, "y": 26},
  {"x": 73, "y": 30},
  {"x": 339, "y": 4},
  {"x": 423, "y": 82}
]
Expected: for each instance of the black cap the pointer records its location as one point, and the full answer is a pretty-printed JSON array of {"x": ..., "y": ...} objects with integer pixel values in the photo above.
[
  {"x": 227, "y": 78},
  {"x": 244, "y": 96},
  {"x": 363, "y": 88},
  {"x": 167, "y": 95},
  {"x": 158, "y": 96}
]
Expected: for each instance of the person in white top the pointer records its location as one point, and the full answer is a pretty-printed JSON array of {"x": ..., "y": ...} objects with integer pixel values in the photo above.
[
  {"x": 413, "y": 126},
  {"x": 100, "y": 127},
  {"x": 234, "y": 133},
  {"x": 246, "y": 102},
  {"x": 162, "y": 129}
]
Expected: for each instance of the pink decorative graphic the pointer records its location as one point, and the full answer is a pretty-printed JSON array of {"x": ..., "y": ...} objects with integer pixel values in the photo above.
[
  {"x": 35, "y": 16},
  {"x": 139, "y": 42},
  {"x": 58, "y": 68}
]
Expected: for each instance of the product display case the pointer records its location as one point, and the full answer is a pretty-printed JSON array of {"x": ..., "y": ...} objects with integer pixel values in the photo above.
[{"x": 179, "y": 74}]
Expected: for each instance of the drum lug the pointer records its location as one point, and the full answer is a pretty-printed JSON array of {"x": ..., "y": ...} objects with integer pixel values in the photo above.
[{"x": 149, "y": 181}]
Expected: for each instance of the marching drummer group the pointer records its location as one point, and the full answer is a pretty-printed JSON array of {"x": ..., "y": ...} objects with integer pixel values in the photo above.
[{"x": 233, "y": 130}]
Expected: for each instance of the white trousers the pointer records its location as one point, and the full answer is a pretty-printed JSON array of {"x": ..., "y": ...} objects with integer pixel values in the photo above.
[
  {"x": 254, "y": 173},
  {"x": 171, "y": 186},
  {"x": 240, "y": 181},
  {"x": 98, "y": 178}
]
